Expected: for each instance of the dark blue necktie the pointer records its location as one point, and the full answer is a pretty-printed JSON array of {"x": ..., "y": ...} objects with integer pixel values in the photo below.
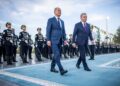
[
  {"x": 59, "y": 22},
  {"x": 84, "y": 26}
]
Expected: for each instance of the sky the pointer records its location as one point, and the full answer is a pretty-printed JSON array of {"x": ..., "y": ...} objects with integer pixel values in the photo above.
[{"x": 35, "y": 13}]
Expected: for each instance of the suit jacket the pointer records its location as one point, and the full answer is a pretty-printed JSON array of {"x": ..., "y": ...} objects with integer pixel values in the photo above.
[
  {"x": 53, "y": 32},
  {"x": 80, "y": 36}
]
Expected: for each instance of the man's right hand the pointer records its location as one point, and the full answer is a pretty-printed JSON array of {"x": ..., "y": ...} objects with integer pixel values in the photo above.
[
  {"x": 49, "y": 43},
  {"x": 74, "y": 45}
]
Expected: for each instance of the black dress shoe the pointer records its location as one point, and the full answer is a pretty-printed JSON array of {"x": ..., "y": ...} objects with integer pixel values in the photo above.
[
  {"x": 15, "y": 61},
  {"x": 25, "y": 62},
  {"x": 50, "y": 58},
  {"x": 91, "y": 59},
  {"x": 1, "y": 62},
  {"x": 77, "y": 66},
  {"x": 40, "y": 60},
  {"x": 87, "y": 69},
  {"x": 65, "y": 57},
  {"x": 54, "y": 70},
  {"x": 63, "y": 72}
]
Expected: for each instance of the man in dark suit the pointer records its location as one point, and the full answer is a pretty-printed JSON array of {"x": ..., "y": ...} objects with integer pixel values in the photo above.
[
  {"x": 80, "y": 37},
  {"x": 55, "y": 33}
]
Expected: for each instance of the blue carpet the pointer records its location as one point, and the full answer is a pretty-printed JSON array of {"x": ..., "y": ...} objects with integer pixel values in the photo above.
[
  {"x": 76, "y": 77},
  {"x": 17, "y": 81}
]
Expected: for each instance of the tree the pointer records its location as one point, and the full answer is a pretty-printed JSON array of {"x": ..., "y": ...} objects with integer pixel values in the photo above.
[{"x": 116, "y": 37}]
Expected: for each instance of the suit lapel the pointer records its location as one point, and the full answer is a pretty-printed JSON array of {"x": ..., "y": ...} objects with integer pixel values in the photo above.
[
  {"x": 81, "y": 26},
  {"x": 57, "y": 22},
  {"x": 87, "y": 29},
  {"x": 61, "y": 24}
]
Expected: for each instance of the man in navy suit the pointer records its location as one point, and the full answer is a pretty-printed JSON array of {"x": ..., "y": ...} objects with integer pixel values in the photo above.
[
  {"x": 55, "y": 33},
  {"x": 80, "y": 37}
]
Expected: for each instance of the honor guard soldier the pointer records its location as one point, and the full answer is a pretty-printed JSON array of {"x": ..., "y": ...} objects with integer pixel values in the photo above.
[
  {"x": 71, "y": 49},
  {"x": 45, "y": 49},
  {"x": 4, "y": 51},
  {"x": 118, "y": 47},
  {"x": 97, "y": 48},
  {"x": 8, "y": 38},
  {"x": 30, "y": 43},
  {"x": 49, "y": 50},
  {"x": 113, "y": 47},
  {"x": 91, "y": 46},
  {"x": 1, "y": 47},
  {"x": 65, "y": 50},
  {"x": 39, "y": 39},
  {"x": 103, "y": 48},
  {"x": 15, "y": 46},
  {"x": 110, "y": 48},
  {"x": 24, "y": 37}
]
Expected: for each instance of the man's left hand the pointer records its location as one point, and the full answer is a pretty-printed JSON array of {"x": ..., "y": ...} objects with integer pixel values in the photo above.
[
  {"x": 65, "y": 42},
  {"x": 92, "y": 42}
]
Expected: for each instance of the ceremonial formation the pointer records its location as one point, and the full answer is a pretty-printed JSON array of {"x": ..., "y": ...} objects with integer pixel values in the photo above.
[
  {"x": 59, "y": 43},
  {"x": 55, "y": 45}
]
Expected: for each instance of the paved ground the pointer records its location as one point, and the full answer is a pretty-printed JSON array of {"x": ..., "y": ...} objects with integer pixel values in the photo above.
[{"x": 102, "y": 74}]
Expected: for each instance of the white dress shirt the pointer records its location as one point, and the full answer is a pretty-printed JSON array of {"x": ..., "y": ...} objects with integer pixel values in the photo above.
[{"x": 59, "y": 21}]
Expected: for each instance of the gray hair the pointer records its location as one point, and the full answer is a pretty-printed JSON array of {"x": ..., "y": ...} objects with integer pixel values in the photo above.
[
  {"x": 83, "y": 14},
  {"x": 57, "y": 8}
]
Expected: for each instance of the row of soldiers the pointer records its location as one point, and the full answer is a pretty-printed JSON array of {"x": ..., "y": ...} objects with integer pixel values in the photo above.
[{"x": 10, "y": 42}]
